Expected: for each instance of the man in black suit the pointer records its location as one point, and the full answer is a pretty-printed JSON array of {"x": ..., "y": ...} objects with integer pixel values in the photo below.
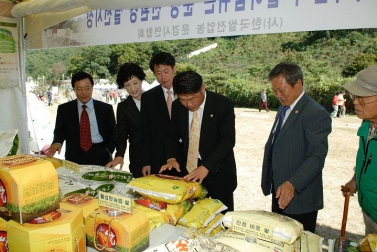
[
  {"x": 130, "y": 76},
  {"x": 215, "y": 165},
  {"x": 296, "y": 149},
  {"x": 67, "y": 126},
  {"x": 154, "y": 111}
]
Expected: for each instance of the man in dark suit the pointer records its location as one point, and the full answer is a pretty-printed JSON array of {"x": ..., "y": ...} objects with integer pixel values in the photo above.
[
  {"x": 296, "y": 149},
  {"x": 101, "y": 120},
  {"x": 130, "y": 76},
  {"x": 155, "y": 116},
  {"x": 215, "y": 165}
]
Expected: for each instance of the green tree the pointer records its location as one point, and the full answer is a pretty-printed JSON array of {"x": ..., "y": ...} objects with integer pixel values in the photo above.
[
  {"x": 358, "y": 63},
  {"x": 92, "y": 59}
]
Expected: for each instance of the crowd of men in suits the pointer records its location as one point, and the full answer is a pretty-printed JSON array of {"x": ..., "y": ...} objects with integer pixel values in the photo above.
[{"x": 159, "y": 126}]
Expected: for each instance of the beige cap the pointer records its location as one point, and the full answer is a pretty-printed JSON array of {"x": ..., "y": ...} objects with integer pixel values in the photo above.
[{"x": 365, "y": 83}]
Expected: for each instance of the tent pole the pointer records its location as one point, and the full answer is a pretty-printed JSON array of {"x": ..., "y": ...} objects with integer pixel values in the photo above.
[{"x": 23, "y": 129}]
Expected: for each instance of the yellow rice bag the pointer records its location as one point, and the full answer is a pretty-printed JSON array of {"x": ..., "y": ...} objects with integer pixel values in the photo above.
[
  {"x": 156, "y": 218},
  {"x": 372, "y": 240},
  {"x": 264, "y": 225},
  {"x": 202, "y": 213},
  {"x": 212, "y": 225},
  {"x": 165, "y": 188},
  {"x": 311, "y": 242},
  {"x": 176, "y": 211},
  {"x": 216, "y": 231}
]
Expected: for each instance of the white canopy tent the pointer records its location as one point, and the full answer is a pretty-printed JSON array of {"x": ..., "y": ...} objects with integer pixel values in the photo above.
[
  {"x": 34, "y": 16},
  {"x": 42, "y": 14}
]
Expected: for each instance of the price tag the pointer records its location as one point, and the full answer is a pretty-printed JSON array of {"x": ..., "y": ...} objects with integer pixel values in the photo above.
[
  {"x": 252, "y": 229},
  {"x": 71, "y": 166},
  {"x": 116, "y": 202}
]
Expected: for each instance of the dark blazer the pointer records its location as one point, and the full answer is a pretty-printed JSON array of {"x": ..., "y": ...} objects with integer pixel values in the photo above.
[
  {"x": 155, "y": 120},
  {"x": 67, "y": 128},
  {"x": 128, "y": 129},
  {"x": 299, "y": 154},
  {"x": 217, "y": 139}
]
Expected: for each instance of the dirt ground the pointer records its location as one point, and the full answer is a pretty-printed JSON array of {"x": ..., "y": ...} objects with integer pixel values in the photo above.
[{"x": 252, "y": 129}]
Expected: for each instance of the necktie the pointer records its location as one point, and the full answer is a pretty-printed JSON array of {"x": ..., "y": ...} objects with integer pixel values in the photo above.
[
  {"x": 280, "y": 122},
  {"x": 193, "y": 151},
  {"x": 85, "y": 136},
  {"x": 169, "y": 101},
  {"x": 277, "y": 130}
]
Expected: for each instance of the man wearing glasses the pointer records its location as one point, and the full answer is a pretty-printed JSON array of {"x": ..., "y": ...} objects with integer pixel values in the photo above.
[{"x": 363, "y": 92}]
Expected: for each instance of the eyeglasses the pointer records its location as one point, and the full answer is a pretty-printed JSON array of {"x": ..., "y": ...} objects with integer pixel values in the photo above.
[{"x": 361, "y": 99}]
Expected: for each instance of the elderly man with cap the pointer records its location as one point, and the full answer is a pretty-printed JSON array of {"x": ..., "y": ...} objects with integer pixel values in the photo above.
[{"x": 363, "y": 92}]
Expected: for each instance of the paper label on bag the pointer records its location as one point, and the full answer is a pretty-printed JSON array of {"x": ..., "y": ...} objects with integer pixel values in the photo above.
[
  {"x": 71, "y": 166},
  {"x": 113, "y": 201},
  {"x": 251, "y": 228}
]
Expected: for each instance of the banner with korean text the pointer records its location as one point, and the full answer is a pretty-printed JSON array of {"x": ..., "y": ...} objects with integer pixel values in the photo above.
[{"x": 212, "y": 18}]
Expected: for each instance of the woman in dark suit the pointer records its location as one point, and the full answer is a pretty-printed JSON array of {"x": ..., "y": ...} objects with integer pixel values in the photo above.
[{"x": 130, "y": 77}]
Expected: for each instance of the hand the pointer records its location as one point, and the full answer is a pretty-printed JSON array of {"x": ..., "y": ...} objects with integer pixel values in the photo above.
[
  {"x": 170, "y": 164},
  {"x": 146, "y": 170},
  {"x": 285, "y": 194},
  {"x": 52, "y": 149},
  {"x": 352, "y": 187},
  {"x": 115, "y": 162},
  {"x": 198, "y": 174}
]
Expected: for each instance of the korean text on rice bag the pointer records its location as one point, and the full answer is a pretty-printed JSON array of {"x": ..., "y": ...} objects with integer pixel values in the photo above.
[
  {"x": 165, "y": 188},
  {"x": 264, "y": 225}
]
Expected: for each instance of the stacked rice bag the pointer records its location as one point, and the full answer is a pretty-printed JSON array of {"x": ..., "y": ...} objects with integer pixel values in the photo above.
[
  {"x": 168, "y": 189},
  {"x": 174, "y": 200},
  {"x": 205, "y": 216},
  {"x": 263, "y": 231}
]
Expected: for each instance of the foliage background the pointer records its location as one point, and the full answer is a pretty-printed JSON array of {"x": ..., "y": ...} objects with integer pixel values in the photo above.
[{"x": 237, "y": 68}]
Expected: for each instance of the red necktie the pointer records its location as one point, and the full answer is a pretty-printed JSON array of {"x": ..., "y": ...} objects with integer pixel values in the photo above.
[{"x": 85, "y": 136}]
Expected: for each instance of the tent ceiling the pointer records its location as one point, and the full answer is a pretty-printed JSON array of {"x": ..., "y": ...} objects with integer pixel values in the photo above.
[
  {"x": 42, "y": 14},
  {"x": 39, "y": 6},
  {"x": 5, "y": 8}
]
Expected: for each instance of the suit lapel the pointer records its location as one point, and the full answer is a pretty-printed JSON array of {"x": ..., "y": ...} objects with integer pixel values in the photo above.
[
  {"x": 131, "y": 105},
  {"x": 75, "y": 124},
  {"x": 162, "y": 101},
  {"x": 293, "y": 116},
  {"x": 99, "y": 114},
  {"x": 207, "y": 118}
]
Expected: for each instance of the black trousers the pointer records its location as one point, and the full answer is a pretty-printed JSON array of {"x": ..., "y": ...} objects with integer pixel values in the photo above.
[
  {"x": 308, "y": 220},
  {"x": 225, "y": 197},
  {"x": 96, "y": 155}
]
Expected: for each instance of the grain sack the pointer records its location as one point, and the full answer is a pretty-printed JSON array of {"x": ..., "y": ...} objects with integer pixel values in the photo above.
[
  {"x": 167, "y": 189},
  {"x": 214, "y": 224},
  {"x": 202, "y": 213},
  {"x": 264, "y": 225}
]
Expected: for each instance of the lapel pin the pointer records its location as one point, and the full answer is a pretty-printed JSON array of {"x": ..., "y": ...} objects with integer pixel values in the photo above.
[
  {"x": 211, "y": 115},
  {"x": 296, "y": 112}
]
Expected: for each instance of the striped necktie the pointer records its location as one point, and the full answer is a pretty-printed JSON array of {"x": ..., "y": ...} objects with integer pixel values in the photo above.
[{"x": 280, "y": 122}]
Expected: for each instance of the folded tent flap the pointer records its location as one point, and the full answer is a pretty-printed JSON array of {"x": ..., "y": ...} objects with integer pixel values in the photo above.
[{"x": 8, "y": 142}]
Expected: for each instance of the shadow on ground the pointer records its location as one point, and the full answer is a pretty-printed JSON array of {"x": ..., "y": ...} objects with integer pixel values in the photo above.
[{"x": 331, "y": 233}]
